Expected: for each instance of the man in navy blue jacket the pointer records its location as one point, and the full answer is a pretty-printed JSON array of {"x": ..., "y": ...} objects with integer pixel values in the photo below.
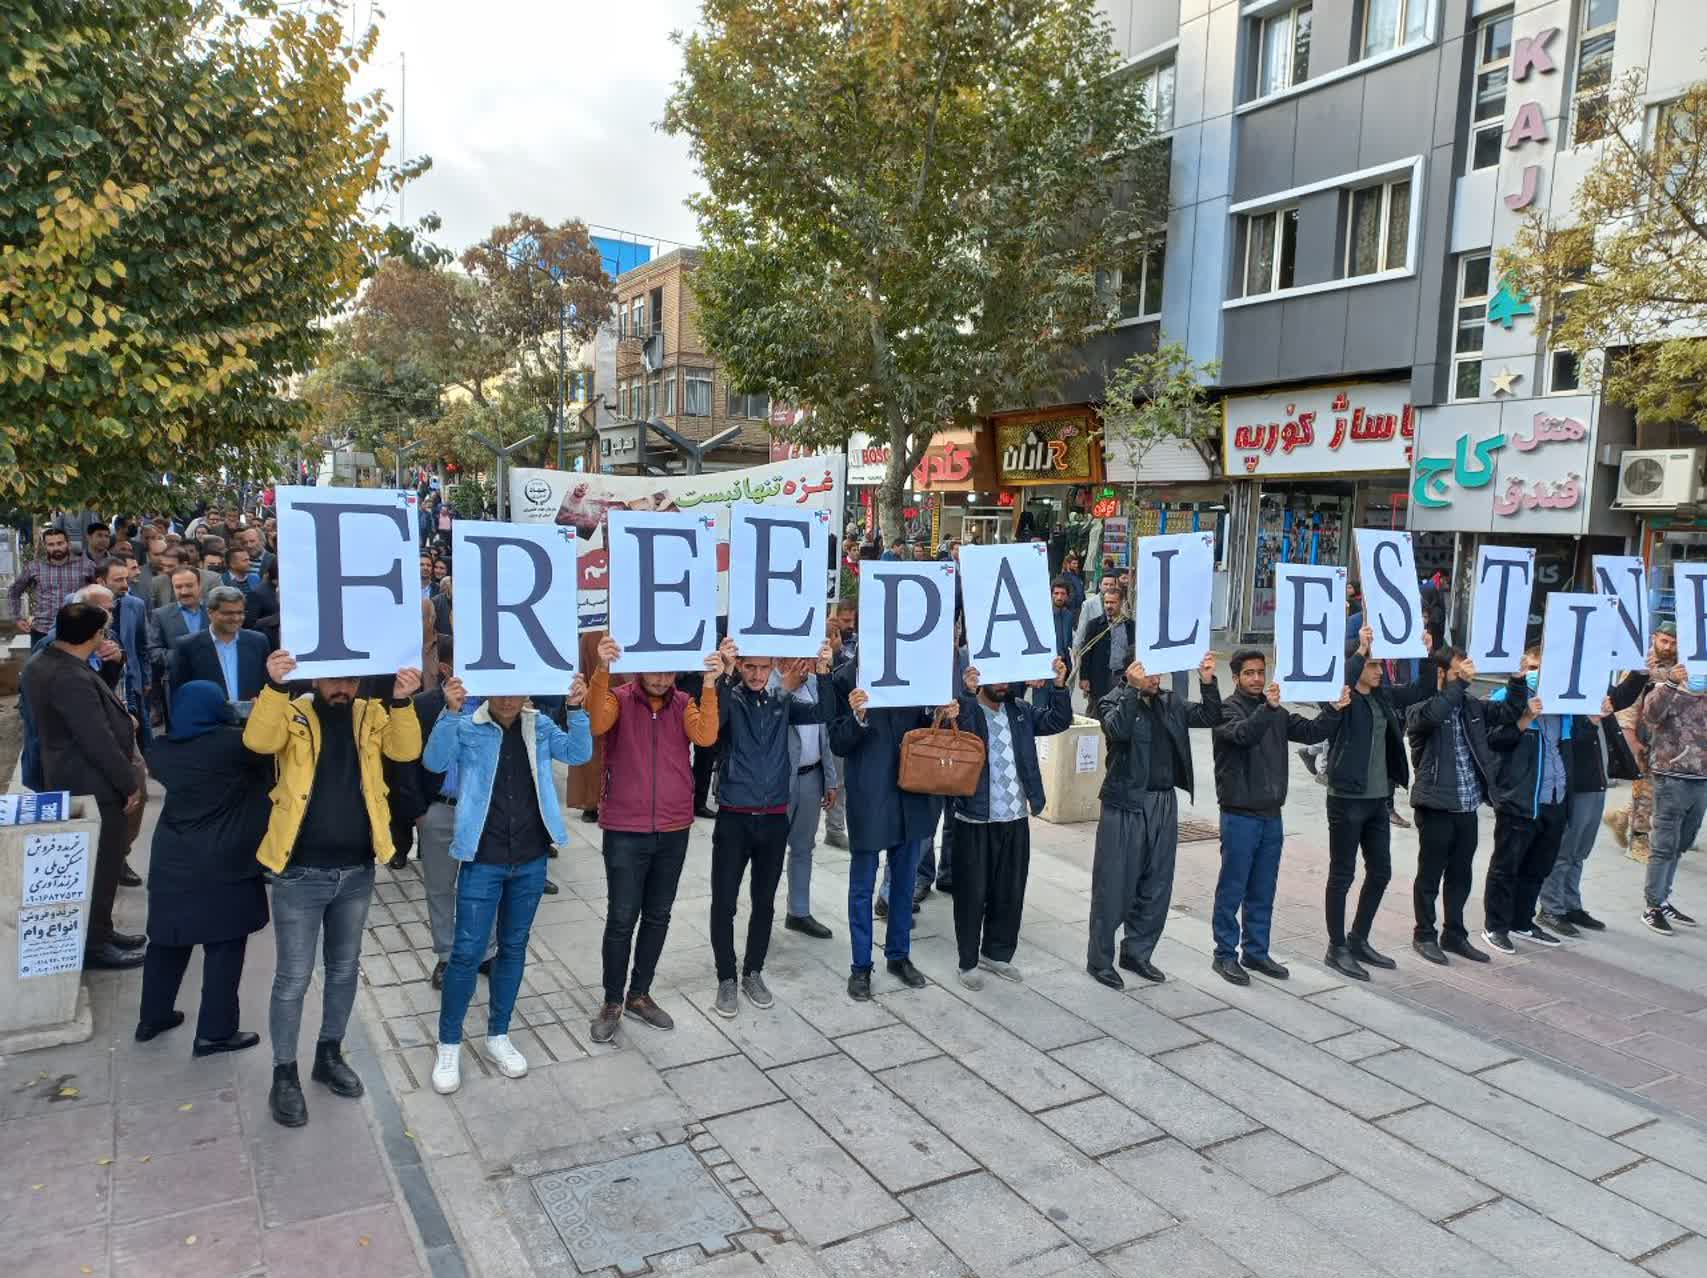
[{"x": 992, "y": 837}]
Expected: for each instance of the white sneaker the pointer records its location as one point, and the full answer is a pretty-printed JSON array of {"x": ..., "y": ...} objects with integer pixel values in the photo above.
[
  {"x": 1007, "y": 971},
  {"x": 447, "y": 1074},
  {"x": 502, "y": 1053},
  {"x": 970, "y": 979}
]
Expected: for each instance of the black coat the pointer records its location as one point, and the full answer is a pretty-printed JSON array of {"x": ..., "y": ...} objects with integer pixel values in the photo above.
[
  {"x": 880, "y": 815},
  {"x": 1251, "y": 768},
  {"x": 1348, "y": 753},
  {"x": 86, "y": 733},
  {"x": 193, "y": 657},
  {"x": 1127, "y": 729},
  {"x": 1093, "y": 665},
  {"x": 1435, "y": 784},
  {"x": 204, "y": 883}
]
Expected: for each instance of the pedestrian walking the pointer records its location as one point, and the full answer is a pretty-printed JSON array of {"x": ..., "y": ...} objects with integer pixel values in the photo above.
[
  {"x": 1674, "y": 722},
  {"x": 204, "y": 885},
  {"x": 329, "y": 824},
  {"x": 49, "y": 580},
  {"x": 1137, "y": 839},
  {"x": 507, "y": 819}
]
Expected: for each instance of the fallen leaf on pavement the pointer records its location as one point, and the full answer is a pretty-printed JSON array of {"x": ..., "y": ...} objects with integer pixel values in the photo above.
[
  {"x": 185, "y": 1108},
  {"x": 363, "y": 1241},
  {"x": 190, "y": 1241},
  {"x": 38, "y": 1186},
  {"x": 69, "y": 1093},
  {"x": 103, "y": 1162}
]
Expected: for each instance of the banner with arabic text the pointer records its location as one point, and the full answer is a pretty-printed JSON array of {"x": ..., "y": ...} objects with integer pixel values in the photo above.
[
  {"x": 585, "y": 501},
  {"x": 1512, "y": 467}
]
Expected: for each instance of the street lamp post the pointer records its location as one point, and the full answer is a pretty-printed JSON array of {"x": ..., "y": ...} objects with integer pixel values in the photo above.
[
  {"x": 399, "y": 453},
  {"x": 502, "y": 452},
  {"x": 693, "y": 451}
]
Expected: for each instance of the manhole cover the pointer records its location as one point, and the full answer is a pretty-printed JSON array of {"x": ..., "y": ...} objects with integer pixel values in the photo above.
[
  {"x": 621, "y": 1212},
  {"x": 1198, "y": 832}
]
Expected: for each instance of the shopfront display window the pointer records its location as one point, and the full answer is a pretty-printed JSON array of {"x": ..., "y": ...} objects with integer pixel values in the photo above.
[{"x": 1296, "y": 525}]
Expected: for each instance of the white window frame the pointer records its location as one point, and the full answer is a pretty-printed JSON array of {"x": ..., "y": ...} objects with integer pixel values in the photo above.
[
  {"x": 1382, "y": 265},
  {"x": 1586, "y": 33},
  {"x": 1494, "y": 124},
  {"x": 637, "y": 320},
  {"x": 1155, "y": 257},
  {"x": 1246, "y": 222},
  {"x": 1150, "y": 77},
  {"x": 1407, "y": 8},
  {"x": 1289, "y": 16},
  {"x": 669, "y": 393},
  {"x": 741, "y": 405},
  {"x": 692, "y": 377},
  {"x": 1480, "y": 302}
]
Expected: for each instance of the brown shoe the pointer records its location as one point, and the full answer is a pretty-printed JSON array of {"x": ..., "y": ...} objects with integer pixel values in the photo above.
[
  {"x": 604, "y": 1024},
  {"x": 642, "y": 1008}
]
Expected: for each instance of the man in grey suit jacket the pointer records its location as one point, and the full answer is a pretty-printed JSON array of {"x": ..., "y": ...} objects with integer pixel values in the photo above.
[{"x": 184, "y": 616}]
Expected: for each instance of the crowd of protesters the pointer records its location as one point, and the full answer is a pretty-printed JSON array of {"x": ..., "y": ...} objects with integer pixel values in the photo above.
[{"x": 156, "y": 655}]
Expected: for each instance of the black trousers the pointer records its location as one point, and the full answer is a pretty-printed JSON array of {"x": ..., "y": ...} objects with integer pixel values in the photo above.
[
  {"x": 991, "y": 862},
  {"x": 222, "y": 968},
  {"x": 1354, "y": 824},
  {"x": 641, "y": 873},
  {"x": 1524, "y": 851},
  {"x": 111, "y": 846},
  {"x": 704, "y": 762},
  {"x": 1445, "y": 868},
  {"x": 737, "y": 840}
]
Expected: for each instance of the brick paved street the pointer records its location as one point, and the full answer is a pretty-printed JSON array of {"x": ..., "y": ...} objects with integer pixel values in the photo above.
[{"x": 1540, "y": 1115}]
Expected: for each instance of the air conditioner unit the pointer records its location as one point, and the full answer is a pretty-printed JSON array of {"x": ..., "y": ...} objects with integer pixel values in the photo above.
[{"x": 1659, "y": 478}]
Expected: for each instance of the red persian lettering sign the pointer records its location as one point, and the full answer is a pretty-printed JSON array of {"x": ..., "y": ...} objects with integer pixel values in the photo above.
[{"x": 1322, "y": 430}]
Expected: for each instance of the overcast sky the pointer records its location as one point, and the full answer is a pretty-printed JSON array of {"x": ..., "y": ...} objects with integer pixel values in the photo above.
[{"x": 543, "y": 106}]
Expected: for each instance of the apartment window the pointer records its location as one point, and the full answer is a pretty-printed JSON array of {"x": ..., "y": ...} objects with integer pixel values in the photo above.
[
  {"x": 1487, "y": 108},
  {"x": 1589, "y": 99},
  {"x": 754, "y": 407},
  {"x": 621, "y": 320},
  {"x": 1393, "y": 24},
  {"x": 1269, "y": 242},
  {"x": 1676, "y": 141},
  {"x": 1285, "y": 44},
  {"x": 1564, "y": 372},
  {"x": 1156, "y": 86},
  {"x": 637, "y": 317},
  {"x": 696, "y": 392},
  {"x": 670, "y": 393},
  {"x": 657, "y": 311},
  {"x": 1475, "y": 276},
  {"x": 1137, "y": 286},
  {"x": 1378, "y": 228}
]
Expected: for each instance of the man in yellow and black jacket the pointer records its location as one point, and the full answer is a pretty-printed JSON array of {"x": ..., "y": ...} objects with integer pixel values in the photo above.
[{"x": 330, "y": 822}]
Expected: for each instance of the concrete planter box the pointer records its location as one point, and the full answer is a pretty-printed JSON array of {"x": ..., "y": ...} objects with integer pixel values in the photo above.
[{"x": 52, "y": 1008}]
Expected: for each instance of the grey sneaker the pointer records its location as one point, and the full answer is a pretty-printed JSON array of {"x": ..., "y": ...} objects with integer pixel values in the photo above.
[
  {"x": 727, "y": 1004},
  {"x": 753, "y": 986},
  {"x": 970, "y": 979},
  {"x": 836, "y": 839},
  {"x": 1007, "y": 971}
]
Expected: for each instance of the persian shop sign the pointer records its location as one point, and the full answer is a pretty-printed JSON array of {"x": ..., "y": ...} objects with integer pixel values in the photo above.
[
  {"x": 1046, "y": 450},
  {"x": 946, "y": 467},
  {"x": 1433, "y": 490},
  {"x": 1319, "y": 431},
  {"x": 1513, "y": 466}
]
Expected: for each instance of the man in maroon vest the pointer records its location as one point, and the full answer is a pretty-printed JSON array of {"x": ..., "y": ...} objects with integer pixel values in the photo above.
[{"x": 646, "y": 726}]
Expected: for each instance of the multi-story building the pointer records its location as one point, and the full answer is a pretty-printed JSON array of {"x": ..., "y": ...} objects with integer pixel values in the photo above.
[
  {"x": 1343, "y": 174},
  {"x": 663, "y": 372}
]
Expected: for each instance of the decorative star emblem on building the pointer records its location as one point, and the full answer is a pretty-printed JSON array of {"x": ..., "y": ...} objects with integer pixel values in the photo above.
[{"x": 1504, "y": 381}]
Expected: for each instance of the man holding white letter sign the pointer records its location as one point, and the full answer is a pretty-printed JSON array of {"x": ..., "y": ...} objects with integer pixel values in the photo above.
[
  {"x": 1499, "y": 613},
  {"x": 663, "y": 599},
  {"x": 1009, "y": 629},
  {"x": 1392, "y": 601},
  {"x": 777, "y": 594},
  {"x": 1174, "y": 574},
  {"x": 515, "y": 594},
  {"x": 346, "y": 553},
  {"x": 906, "y": 614}
]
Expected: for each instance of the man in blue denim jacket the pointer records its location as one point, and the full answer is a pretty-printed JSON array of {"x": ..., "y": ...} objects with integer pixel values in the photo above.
[{"x": 507, "y": 820}]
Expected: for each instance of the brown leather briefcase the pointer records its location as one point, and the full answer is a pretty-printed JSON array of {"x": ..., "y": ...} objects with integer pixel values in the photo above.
[{"x": 939, "y": 760}]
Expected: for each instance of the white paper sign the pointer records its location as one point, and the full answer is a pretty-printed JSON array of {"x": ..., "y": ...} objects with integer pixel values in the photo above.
[
  {"x": 1175, "y": 575},
  {"x": 1309, "y": 631},
  {"x": 514, "y": 618},
  {"x": 349, "y": 580},
  {"x": 56, "y": 867},
  {"x": 663, "y": 589},
  {"x": 1625, "y": 579},
  {"x": 777, "y": 584},
  {"x": 1085, "y": 760},
  {"x": 1499, "y": 610},
  {"x": 1689, "y": 585},
  {"x": 906, "y": 618},
  {"x": 50, "y": 939},
  {"x": 1010, "y": 635},
  {"x": 1576, "y": 657},
  {"x": 1392, "y": 601}
]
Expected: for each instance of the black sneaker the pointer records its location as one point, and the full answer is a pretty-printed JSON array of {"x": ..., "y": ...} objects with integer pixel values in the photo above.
[
  {"x": 1499, "y": 941},
  {"x": 1675, "y": 915},
  {"x": 1582, "y": 918},
  {"x": 1657, "y": 921},
  {"x": 880, "y": 908},
  {"x": 1308, "y": 757},
  {"x": 1557, "y": 923},
  {"x": 1535, "y": 932},
  {"x": 807, "y": 924},
  {"x": 859, "y": 985}
]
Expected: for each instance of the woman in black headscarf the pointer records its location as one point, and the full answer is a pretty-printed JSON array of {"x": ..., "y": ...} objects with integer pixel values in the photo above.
[{"x": 204, "y": 884}]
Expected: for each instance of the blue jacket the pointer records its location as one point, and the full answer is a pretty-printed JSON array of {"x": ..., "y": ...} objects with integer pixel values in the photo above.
[
  {"x": 1049, "y": 711},
  {"x": 1516, "y": 786},
  {"x": 471, "y": 741},
  {"x": 754, "y": 741},
  {"x": 131, "y": 625}
]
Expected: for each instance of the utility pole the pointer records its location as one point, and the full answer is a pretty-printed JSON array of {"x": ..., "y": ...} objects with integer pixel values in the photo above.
[
  {"x": 403, "y": 140},
  {"x": 502, "y": 452},
  {"x": 399, "y": 453}
]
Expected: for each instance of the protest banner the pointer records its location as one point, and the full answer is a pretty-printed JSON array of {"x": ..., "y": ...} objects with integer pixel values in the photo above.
[
  {"x": 1499, "y": 610},
  {"x": 1576, "y": 655},
  {"x": 1689, "y": 589},
  {"x": 1175, "y": 573},
  {"x": 1309, "y": 631},
  {"x": 663, "y": 570},
  {"x": 1392, "y": 601},
  {"x": 349, "y": 590},
  {"x": 1009, "y": 632},
  {"x": 1625, "y": 579},
  {"x": 514, "y": 619},
  {"x": 587, "y": 500},
  {"x": 777, "y": 598},
  {"x": 906, "y": 620}
]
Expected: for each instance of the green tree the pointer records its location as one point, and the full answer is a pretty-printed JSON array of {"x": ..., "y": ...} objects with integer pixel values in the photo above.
[
  {"x": 187, "y": 187},
  {"x": 1158, "y": 396},
  {"x": 1626, "y": 272},
  {"x": 436, "y": 320},
  {"x": 908, "y": 203}
]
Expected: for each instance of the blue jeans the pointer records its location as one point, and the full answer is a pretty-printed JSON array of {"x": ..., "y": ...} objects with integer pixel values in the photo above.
[
  {"x": 933, "y": 870},
  {"x": 1250, "y": 866},
  {"x": 903, "y": 862},
  {"x": 1562, "y": 891},
  {"x": 1679, "y": 805},
  {"x": 509, "y": 894},
  {"x": 305, "y": 898}
]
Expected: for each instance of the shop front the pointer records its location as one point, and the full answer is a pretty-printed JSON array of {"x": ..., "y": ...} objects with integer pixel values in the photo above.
[
  {"x": 944, "y": 487},
  {"x": 1517, "y": 472},
  {"x": 1305, "y": 467},
  {"x": 1048, "y": 465}
]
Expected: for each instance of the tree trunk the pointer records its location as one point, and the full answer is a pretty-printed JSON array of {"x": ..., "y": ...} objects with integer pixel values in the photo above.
[{"x": 904, "y": 457}]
